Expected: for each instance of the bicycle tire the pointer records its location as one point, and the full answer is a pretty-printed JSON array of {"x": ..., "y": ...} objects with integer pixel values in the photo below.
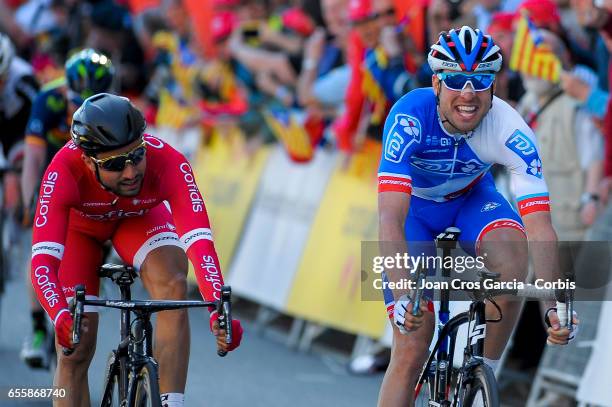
[
  {"x": 111, "y": 396},
  {"x": 480, "y": 381},
  {"x": 146, "y": 386}
]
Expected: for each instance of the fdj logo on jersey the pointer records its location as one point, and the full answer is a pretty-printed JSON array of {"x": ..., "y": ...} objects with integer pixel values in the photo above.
[
  {"x": 405, "y": 131},
  {"x": 524, "y": 148}
]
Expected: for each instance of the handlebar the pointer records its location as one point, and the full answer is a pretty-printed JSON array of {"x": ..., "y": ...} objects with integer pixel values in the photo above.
[
  {"x": 77, "y": 307},
  {"x": 224, "y": 310}
]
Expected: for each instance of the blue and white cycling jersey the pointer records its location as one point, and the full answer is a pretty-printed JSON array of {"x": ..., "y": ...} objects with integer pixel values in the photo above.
[
  {"x": 421, "y": 157},
  {"x": 448, "y": 176}
]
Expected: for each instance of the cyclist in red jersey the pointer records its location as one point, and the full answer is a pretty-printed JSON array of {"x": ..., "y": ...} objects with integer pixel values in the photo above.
[{"x": 113, "y": 182}]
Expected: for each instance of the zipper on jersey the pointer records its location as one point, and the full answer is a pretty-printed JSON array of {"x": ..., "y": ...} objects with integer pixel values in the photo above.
[{"x": 454, "y": 158}]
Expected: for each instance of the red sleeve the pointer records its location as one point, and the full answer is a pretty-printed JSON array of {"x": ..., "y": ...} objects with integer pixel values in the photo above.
[
  {"x": 192, "y": 224},
  {"x": 58, "y": 193}
]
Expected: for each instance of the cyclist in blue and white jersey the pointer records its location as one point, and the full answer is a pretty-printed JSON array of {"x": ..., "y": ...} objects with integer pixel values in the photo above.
[{"x": 439, "y": 144}]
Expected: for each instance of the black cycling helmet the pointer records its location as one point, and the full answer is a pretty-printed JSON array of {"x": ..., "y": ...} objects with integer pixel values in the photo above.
[{"x": 105, "y": 122}]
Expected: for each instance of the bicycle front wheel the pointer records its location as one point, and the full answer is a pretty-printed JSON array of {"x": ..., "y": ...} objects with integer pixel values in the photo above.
[
  {"x": 112, "y": 395},
  {"x": 480, "y": 388},
  {"x": 146, "y": 387}
]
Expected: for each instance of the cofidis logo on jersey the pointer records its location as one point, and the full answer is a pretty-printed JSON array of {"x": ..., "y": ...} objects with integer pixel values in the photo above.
[
  {"x": 524, "y": 148},
  {"x": 406, "y": 130}
]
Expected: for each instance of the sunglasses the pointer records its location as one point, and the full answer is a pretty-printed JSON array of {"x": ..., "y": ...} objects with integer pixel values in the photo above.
[
  {"x": 117, "y": 163},
  {"x": 457, "y": 81}
]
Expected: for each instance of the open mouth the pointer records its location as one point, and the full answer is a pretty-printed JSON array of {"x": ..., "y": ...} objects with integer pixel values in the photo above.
[{"x": 466, "y": 112}]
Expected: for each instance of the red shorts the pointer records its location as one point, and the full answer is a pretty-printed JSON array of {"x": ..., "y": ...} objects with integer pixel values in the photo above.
[{"x": 133, "y": 238}]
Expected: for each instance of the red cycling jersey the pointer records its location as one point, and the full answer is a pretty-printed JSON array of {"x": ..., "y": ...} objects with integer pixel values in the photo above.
[{"x": 71, "y": 198}]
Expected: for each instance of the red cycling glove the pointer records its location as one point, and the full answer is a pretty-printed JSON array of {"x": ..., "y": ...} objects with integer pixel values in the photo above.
[
  {"x": 236, "y": 330},
  {"x": 63, "y": 329}
]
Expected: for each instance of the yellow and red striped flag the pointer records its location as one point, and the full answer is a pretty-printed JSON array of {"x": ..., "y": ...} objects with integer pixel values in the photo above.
[
  {"x": 291, "y": 134},
  {"x": 531, "y": 55}
]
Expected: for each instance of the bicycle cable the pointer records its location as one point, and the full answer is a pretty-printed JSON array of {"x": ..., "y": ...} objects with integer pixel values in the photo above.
[{"x": 492, "y": 301}]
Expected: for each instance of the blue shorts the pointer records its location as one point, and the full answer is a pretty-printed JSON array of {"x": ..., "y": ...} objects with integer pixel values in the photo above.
[{"x": 475, "y": 213}]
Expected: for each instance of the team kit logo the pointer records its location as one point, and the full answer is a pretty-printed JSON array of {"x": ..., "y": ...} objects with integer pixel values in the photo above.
[
  {"x": 446, "y": 166},
  {"x": 489, "y": 206},
  {"x": 524, "y": 148},
  {"x": 406, "y": 130}
]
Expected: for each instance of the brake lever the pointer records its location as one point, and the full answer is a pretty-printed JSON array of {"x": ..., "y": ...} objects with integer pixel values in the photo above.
[
  {"x": 224, "y": 310},
  {"x": 76, "y": 309}
]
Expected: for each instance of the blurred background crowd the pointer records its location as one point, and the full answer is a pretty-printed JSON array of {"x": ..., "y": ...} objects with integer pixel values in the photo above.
[{"x": 308, "y": 75}]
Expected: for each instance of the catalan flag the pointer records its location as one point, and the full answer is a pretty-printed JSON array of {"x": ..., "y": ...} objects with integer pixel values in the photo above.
[
  {"x": 291, "y": 134},
  {"x": 531, "y": 55}
]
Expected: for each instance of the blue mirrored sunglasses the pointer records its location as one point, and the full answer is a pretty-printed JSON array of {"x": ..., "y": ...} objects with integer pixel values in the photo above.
[{"x": 457, "y": 80}]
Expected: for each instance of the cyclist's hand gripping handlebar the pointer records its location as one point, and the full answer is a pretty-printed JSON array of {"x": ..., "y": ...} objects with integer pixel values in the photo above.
[{"x": 77, "y": 315}]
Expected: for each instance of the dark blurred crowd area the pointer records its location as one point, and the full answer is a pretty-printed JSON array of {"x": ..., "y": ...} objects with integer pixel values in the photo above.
[{"x": 340, "y": 63}]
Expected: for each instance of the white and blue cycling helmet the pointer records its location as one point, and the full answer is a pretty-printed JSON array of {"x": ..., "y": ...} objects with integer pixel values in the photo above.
[{"x": 465, "y": 50}]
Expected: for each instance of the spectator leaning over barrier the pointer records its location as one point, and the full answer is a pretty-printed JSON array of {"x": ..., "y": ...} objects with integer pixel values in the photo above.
[
  {"x": 222, "y": 96},
  {"x": 600, "y": 18},
  {"x": 171, "y": 88},
  {"x": 381, "y": 74},
  {"x": 593, "y": 97},
  {"x": 324, "y": 76},
  {"x": 508, "y": 83},
  {"x": 271, "y": 49},
  {"x": 570, "y": 147},
  {"x": 110, "y": 31}
]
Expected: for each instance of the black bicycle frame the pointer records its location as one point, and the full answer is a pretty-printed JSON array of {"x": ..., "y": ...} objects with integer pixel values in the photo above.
[
  {"x": 136, "y": 346},
  {"x": 444, "y": 351}
]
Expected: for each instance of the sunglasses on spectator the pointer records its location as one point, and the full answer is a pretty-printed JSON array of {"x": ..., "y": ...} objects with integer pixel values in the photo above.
[
  {"x": 458, "y": 81},
  {"x": 117, "y": 163}
]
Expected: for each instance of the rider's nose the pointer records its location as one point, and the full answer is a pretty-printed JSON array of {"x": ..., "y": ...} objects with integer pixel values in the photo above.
[
  {"x": 468, "y": 90},
  {"x": 130, "y": 170}
]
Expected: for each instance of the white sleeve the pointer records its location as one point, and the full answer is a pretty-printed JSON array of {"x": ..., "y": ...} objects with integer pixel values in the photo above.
[{"x": 519, "y": 154}]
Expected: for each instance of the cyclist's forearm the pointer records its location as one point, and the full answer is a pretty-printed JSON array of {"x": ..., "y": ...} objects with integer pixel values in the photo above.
[
  {"x": 392, "y": 242},
  {"x": 543, "y": 248},
  {"x": 392, "y": 210}
]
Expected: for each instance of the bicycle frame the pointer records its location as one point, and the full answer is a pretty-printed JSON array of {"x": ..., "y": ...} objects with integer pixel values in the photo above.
[
  {"x": 444, "y": 348},
  {"x": 136, "y": 346}
]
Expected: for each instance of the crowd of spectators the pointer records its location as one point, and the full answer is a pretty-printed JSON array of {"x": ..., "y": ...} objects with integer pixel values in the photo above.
[{"x": 336, "y": 65}]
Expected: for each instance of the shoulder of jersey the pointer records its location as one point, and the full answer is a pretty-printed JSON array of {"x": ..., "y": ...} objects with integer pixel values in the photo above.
[
  {"x": 70, "y": 156},
  {"x": 505, "y": 116},
  {"x": 52, "y": 98},
  {"x": 156, "y": 146},
  {"x": 419, "y": 97}
]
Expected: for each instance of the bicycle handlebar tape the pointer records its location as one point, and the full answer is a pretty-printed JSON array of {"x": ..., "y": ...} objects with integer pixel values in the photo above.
[
  {"x": 225, "y": 316},
  {"x": 78, "y": 313}
]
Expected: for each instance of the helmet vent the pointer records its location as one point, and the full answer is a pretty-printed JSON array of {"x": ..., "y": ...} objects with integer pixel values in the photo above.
[
  {"x": 129, "y": 124},
  {"x": 105, "y": 133}
]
